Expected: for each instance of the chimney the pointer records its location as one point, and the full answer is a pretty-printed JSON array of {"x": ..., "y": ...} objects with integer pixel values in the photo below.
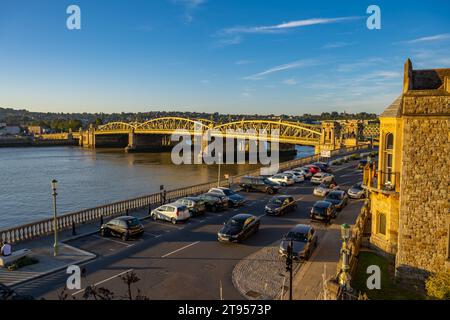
[{"x": 407, "y": 78}]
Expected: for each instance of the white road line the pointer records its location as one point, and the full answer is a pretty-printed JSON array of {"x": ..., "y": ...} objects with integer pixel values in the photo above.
[
  {"x": 153, "y": 235},
  {"x": 112, "y": 240},
  {"x": 103, "y": 281},
  {"x": 178, "y": 250}
]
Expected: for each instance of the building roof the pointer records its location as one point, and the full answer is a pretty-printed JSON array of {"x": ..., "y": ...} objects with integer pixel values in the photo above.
[
  {"x": 431, "y": 79},
  {"x": 394, "y": 110}
]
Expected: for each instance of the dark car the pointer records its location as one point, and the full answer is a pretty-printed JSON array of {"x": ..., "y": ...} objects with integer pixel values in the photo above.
[
  {"x": 280, "y": 205},
  {"x": 195, "y": 205},
  {"x": 304, "y": 241},
  {"x": 238, "y": 228},
  {"x": 124, "y": 227},
  {"x": 259, "y": 184},
  {"x": 325, "y": 167},
  {"x": 338, "y": 198},
  {"x": 356, "y": 191},
  {"x": 214, "y": 202},
  {"x": 234, "y": 199},
  {"x": 361, "y": 164},
  {"x": 323, "y": 211}
]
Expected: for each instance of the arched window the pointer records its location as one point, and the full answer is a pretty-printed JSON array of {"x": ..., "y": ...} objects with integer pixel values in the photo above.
[
  {"x": 389, "y": 141},
  {"x": 388, "y": 158}
]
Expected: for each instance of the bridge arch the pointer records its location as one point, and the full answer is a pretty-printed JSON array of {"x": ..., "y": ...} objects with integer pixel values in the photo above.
[
  {"x": 116, "y": 127},
  {"x": 167, "y": 125}
]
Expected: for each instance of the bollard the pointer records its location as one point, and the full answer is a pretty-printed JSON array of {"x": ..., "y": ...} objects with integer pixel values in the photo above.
[
  {"x": 101, "y": 220},
  {"x": 149, "y": 210},
  {"x": 126, "y": 212},
  {"x": 74, "y": 232}
]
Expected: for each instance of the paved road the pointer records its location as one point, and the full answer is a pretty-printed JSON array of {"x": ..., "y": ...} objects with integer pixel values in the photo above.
[{"x": 185, "y": 261}]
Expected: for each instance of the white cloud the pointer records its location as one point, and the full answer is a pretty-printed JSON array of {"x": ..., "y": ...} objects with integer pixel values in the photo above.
[
  {"x": 287, "y": 25},
  {"x": 333, "y": 45},
  {"x": 189, "y": 7},
  {"x": 438, "y": 37},
  {"x": 290, "y": 82},
  {"x": 228, "y": 42},
  {"x": 284, "y": 67}
]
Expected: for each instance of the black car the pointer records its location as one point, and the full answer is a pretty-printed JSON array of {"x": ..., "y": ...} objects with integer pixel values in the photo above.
[
  {"x": 238, "y": 228},
  {"x": 123, "y": 227},
  {"x": 280, "y": 205},
  {"x": 325, "y": 167},
  {"x": 214, "y": 202},
  {"x": 338, "y": 198},
  {"x": 323, "y": 211},
  {"x": 195, "y": 205},
  {"x": 304, "y": 240},
  {"x": 259, "y": 184}
]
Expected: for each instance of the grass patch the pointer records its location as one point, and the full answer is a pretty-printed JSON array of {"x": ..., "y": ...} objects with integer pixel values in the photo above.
[
  {"x": 22, "y": 262},
  {"x": 390, "y": 289}
]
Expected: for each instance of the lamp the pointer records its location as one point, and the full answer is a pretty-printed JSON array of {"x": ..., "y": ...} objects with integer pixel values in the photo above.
[{"x": 345, "y": 232}]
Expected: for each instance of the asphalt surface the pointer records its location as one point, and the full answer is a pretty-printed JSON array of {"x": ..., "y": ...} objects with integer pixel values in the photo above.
[{"x": 185, "y": 261}]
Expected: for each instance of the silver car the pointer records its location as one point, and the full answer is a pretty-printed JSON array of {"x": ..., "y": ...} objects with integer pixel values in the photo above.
[
  {"x": 323, "y": 189},
  {"x": 173, "y": 212},
  {"x": 356, "y": 191},
  {"x": 322, "y": 177}
]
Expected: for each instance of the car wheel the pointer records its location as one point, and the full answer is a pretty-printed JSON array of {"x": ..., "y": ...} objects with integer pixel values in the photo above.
[
  {"x": 154, "y": 217},
  {"x": 270, "y": 191},
  {"x": 173, "y": 220},
  {"x": 103, "y": 233},
  {"x": 124, "y": 237}
]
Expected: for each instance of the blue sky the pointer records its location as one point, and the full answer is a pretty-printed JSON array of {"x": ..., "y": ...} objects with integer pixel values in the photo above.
[{"x": 228, "y": 56}]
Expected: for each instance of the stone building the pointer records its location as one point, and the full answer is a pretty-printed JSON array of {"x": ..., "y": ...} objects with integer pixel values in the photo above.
[{"x": 409, "y": 191}]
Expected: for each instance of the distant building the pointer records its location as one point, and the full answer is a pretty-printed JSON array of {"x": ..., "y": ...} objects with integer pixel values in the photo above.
[
  {"x": 9, "y": 130},
  {"x": 409, "y": 191},
  {"x": 35, "y": 130}
]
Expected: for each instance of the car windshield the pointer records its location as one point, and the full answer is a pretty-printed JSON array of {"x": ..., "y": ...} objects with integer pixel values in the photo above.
[
  {"x": 235, "y": 223},
  {"x": 323, "y": 185},
  {"x": 228, "y": 192},
  {"x": 319, "y": 209},
  {"x": 276, "y": 201},
  {"x": 267, "y": 181},
  {"x": 335, "y": 196},
  {"x": 133, "y": 222},
  {"x": 297, "y": 236}
]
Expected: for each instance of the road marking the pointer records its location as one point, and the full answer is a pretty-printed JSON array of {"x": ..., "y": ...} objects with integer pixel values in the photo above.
[
  {"x": 178, "y": 250},
  {"x": 103, "y": 281},
  {"x": 116, "y": 241},
  {"x": 153, "y": 235}
]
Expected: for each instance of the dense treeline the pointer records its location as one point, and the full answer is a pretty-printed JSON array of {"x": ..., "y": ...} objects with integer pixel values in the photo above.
[{"x": 74, "y": 121}]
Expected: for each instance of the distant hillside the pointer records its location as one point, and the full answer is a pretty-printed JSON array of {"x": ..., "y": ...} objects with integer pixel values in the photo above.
[{"x": 57, "y": 120}]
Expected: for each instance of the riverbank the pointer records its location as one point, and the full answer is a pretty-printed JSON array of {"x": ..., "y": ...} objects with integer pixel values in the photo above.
[{"x": 17, "y": 142}]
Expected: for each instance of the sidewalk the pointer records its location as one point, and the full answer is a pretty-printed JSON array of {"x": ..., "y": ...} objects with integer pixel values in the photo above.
[
  {"x": 42, "y": 250},
  {"x": 308, "y": 282}
]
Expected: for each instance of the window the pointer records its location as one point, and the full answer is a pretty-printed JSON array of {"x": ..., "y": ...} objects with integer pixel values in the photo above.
[
  {"x": 381, "y": 223},
  {"x": 388, "y": 158}
]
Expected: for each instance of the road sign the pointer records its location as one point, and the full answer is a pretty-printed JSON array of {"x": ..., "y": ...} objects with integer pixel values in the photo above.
[{"x": 325, "y": 153}]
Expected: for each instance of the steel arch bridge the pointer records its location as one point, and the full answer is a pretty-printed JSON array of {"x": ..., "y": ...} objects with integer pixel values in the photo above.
[{"x": 288, "y": 132}]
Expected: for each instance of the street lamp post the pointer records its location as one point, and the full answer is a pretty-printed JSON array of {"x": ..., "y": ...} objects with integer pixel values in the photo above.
[
  {"x": 218, "y": 174},
  {"x": 344, "y": 277},
  {"x": 55, "y": 217}
]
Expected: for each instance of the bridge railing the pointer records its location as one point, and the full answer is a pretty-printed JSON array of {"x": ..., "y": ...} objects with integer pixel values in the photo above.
[{"x": 46, "y": 226}]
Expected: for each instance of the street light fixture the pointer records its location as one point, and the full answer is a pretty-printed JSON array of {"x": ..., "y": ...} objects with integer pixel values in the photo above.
[
  {"x": 345, "y": 232},
  {"x": 55, "y": 217}
]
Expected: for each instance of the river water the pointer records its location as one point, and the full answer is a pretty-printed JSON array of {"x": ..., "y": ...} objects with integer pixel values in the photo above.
[{"x": 89, "y": 178}]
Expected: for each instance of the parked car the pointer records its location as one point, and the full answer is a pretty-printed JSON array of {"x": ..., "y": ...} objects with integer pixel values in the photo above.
[
  {"x": 238, "y": 228},
  {"x": 259, "y": 184},
  {"x": 305, "y": 171},
  {"x": 279, "y": 205},
  {"x": 298, "y": 176},
  {"x": 124, "y": 227},
  {"x": 324, "y": 167},
  {"x": 304, "y": 241},
  {"x": 214, "y": 202},
  {"x": 323, "y": 211},
  {"x": 337, "y": 197},
  {"x": 322, "y": 177},
  {"x": 361, "y": 164},
  {"x": 312, "y": 168},
  {"x": 324, "y": 188},
  {"x": 234, "y": 199},
  {"x": 356, "y": 191},
  {"x": 195, "y": 205},
  {"x": 283, "y": 179},
  {"x": 173, "y": 212}
]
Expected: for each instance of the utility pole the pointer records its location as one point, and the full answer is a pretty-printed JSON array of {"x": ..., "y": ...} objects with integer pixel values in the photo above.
[{"x": 289, "y": 262}]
